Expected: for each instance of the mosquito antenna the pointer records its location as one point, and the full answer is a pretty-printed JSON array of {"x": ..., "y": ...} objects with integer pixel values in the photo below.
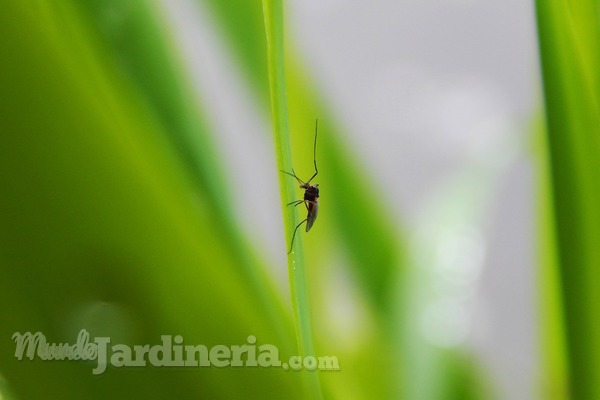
[
  {"x": 315, "y": 145},
  {"x": 293, "y": 174},
  {"x": 315, "y": 151}
]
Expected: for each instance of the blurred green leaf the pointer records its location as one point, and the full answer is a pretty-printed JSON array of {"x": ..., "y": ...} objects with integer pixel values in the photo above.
[
  {"x": 570, "y": 47},
  {"x": 140, "y": 52},
  {"x": 552, "y": 335},
  {"x": 98, "y": 213}
]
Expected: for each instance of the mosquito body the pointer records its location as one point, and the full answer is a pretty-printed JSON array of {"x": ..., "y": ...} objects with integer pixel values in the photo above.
[{"x": 311, "y": 194}]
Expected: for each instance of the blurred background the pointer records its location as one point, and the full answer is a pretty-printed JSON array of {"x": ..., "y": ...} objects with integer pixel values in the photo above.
[
  {"x": 141, "y": 196},
  {"x": 437, "y": 100}
]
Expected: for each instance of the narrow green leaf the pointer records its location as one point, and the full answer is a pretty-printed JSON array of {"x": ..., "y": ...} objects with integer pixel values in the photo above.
[{"x": 273, "y": 14}]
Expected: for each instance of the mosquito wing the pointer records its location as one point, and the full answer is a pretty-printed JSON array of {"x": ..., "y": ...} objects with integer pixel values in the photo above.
[{"x": 313, "y": 210}]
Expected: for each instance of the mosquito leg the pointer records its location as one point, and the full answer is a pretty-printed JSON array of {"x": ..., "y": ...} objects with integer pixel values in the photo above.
[
  {"x": 307, "y": 202},
  {"x": 295, "y": 202},
  {"x": 294, "y": 235}
]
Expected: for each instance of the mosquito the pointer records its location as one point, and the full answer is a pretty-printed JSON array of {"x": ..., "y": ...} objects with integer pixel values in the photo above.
[{"x": 311, "y": 193}]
